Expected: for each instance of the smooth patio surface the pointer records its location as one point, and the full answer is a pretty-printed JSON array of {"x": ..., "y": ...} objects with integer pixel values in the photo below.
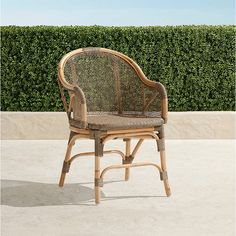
[{"x": 201, "y": 173}]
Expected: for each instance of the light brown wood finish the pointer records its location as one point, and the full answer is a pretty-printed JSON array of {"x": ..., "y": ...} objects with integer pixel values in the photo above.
[
  {"x": 129, "y": 135},
  {"x": 129, "y": 165},
  {"x": 80, "y": 131},
  {"x": 138, "y": 145},
  {"x": 127, "y": 131},
  {"x": 97, "y": 177},
  {"x": 62, "y": 179},
  {"x": 127, "y": 154},
  {"x": 68, "y": 154},
  {"x": 164, "y": 108},
  {"x": 164, "y": 169},
  {"x": 93, "y": 153}
]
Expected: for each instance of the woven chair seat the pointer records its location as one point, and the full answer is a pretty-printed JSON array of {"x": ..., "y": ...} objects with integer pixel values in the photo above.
[{"x": 108, "y": 122}]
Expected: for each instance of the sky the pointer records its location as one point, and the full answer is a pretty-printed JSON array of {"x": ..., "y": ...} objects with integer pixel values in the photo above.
[{"x": 117, "y": 12}]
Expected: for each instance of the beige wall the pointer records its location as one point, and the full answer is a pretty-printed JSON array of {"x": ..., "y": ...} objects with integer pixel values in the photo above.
[{"x": 181, "y": 125}]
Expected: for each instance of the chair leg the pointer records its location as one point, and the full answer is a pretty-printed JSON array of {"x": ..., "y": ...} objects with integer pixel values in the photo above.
[
  {"x": 164, "y": 169},
  {"x": 127, "y": 171},
  {"x": 98, "y": 155},
  {"x": 66, "y": 164},
  {"x": 161, "y": 148},
  {"x": 127, "y": 154},
  {"x": 97, "y": 179},
  {"x": 62, "y": 179}
]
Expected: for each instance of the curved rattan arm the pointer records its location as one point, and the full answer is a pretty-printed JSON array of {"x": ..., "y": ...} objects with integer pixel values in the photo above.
[
  {"x": 164, "y": 100},
  {"x": 163, "y": 95},
  {"x": 79, "y": 108},
  {"x": 77, "y": 105}
]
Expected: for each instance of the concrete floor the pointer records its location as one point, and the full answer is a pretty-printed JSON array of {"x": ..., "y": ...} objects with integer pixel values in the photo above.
[{"x": 201, "y": 174}]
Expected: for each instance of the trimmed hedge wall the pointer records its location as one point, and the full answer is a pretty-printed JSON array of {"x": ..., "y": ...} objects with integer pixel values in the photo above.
[{"x": 195, "y": 63}]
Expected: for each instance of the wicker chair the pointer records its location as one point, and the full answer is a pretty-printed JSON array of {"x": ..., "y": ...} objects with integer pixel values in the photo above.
[{"x": 109, "y": 97}]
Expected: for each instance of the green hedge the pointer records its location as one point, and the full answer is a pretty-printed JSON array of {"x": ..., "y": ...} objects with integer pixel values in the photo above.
[{"x": 195, "y": 63}]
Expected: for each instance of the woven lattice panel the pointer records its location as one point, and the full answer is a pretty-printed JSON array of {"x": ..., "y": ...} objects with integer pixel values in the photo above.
[{"x": 111, "y": 84}]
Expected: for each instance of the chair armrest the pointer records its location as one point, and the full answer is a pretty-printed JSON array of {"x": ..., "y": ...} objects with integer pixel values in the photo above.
[
  {"x": 164, "y": 100},
  {"x": 79, "y": 107},
  {"x": 163, "y": 95}
]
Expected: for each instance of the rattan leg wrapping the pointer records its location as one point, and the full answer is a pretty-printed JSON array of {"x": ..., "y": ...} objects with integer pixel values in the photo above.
[
  {"x": 161, "y": 149},
  {"x": 161, "y": 144},
  {"x": 127, "y": 154},
  {"x": 65, "y": 169},
  {"x": 164, "y": 169}
]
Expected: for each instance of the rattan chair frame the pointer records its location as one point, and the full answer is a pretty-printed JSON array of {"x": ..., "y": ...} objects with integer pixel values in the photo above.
[{"x": 100, "y": 137}]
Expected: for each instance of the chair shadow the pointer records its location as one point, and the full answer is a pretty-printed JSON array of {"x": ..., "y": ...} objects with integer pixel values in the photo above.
[
  {"x": 17, "y": 193},
  {"x": 32, "y": 194}
]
